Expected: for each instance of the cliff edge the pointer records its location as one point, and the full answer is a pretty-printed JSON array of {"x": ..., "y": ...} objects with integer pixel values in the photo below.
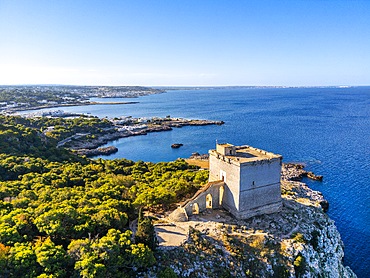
[{"x": 299, "y": 241}]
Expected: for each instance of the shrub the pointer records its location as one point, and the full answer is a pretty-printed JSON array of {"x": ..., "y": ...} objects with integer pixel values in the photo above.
[
  {"x": 298, "y": 237},
  {"x": 145, "y": 234},
  {"x": 280, "y": 271},
  {"x": 167, "y": 273},
  {"x": 315, "y": 239},
  {"x": 299, "y": 265}
]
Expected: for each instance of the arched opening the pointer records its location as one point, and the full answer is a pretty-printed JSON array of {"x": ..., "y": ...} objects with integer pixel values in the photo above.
[
  {"x": 209, "y": 201},
  {"x": 195, "y": 208},
  {"x": 221, "y": 196}
]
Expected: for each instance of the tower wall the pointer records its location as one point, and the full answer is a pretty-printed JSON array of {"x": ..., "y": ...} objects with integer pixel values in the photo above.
[
  {"x": 252, "y": 179},
  {"x": 260, "y": 187},
  {"x": 220, "y": 165}
]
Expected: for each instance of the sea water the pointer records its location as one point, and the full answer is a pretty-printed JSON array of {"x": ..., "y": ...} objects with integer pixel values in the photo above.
[{"x": 328, "y": 129}]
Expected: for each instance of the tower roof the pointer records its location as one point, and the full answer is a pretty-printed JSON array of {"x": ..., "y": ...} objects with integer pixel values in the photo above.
[{"x": 244, "y": 154}]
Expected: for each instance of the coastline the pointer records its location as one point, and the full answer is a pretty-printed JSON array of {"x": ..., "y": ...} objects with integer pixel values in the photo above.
[
  {"x": 312, "y": 145},
  {"x": 89, "y": 148},
  {"x": 34, "y": 97},
  {"x": 13, "y": 110}
]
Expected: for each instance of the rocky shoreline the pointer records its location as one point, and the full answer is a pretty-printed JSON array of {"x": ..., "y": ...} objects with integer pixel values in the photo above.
[
  {"x": 99, "y": 151},
  {"x": 295, "y": 171},
  {"x": 87, "y": 147},
  {"x": 298, "y": 241}
]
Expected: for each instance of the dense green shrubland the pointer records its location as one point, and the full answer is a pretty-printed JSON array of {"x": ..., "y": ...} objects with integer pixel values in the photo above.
[{"x": 66, "y": 216}]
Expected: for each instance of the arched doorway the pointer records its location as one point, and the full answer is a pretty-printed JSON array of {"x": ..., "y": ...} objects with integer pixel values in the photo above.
[
  {"x": 209, "y": 201},
  {"x": 195, "y": 208},
  {"x": 221, "y": 196}
]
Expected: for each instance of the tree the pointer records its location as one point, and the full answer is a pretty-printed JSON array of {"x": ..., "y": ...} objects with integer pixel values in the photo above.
[
  {"x": 141, "y": 215},
  {"x": 9, "y": 234},
  {"x": 167, "y": 273},
  {"x": 59, "y": 223},
  {"x": 4, "y": 252},
  {"x": 53, "y": 259},
  {"x": 106, "y": 218},
  {"x": 146, "y": 234},
  {"x": 22, "y": 261},
  {"x": 111, "y": 255}
]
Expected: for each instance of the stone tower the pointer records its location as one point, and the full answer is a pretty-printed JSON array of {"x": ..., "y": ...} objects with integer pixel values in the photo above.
[{"x": 251, "y": 177}]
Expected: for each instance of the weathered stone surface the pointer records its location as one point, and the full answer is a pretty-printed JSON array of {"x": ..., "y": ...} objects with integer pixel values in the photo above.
[
  {"x": 324, "y": 205},
  {"x": 299, "y": 241}
]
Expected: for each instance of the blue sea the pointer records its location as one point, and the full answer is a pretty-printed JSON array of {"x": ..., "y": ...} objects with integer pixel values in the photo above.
[{"x": 328, "y": 129}]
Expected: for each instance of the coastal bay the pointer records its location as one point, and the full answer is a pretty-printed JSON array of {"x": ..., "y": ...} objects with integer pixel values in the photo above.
[
  {"x": 185, "y": 139},
  {"x": 319, "y": 127},
  {"x": 128, "y": 127},
  {"x": 325, "y": 128}
]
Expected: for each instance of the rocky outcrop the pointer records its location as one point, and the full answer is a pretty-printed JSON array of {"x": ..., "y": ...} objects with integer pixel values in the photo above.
[
  {"x": 312, "y": 176},
  {"x": 299, "y": 241},
  {"x": 176, "y": 146},
  {"x": 100, "y": 151},
  {"x": 199, "y": 156},
  {"x": 297, "y": 172}
]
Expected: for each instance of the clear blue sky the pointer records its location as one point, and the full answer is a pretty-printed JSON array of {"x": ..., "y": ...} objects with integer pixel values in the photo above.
[{"x": 188, "y": 42}]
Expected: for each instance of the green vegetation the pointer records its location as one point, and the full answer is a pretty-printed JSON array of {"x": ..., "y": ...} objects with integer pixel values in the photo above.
[
  {"x": 167, "y": 273},
  {"x": 315, "y": 239},
  {"x": 65, "y": 216},
  {"x": 18, "y": 137},
  {"x": 45, "y": 129},
  {"x": 145, "y": 233},
  {"x": 299, "y": 266},
  {"x": 298, "y": 237}
]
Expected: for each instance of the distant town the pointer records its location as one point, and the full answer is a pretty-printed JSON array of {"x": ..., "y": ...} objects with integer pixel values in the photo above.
[{"x": 17, "y": 98}]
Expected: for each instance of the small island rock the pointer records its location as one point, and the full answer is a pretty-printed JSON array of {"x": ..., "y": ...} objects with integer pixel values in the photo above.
[{"x": 176, "y": 146}]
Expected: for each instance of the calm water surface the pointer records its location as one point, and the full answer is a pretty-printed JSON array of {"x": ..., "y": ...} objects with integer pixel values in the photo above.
[{"x": 326, "y": 128}]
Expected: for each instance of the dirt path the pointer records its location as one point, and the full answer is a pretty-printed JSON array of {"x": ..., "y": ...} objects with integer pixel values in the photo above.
[
  {"x": 170, "y": 235},
  {"x": 175, "y": 233}
]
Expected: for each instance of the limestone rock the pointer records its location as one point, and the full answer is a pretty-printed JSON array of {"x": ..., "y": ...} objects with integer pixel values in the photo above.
[{"x": 299, "y": 241}]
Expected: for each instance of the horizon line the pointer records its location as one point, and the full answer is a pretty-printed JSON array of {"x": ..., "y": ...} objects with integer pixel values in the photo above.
[{"x": 188, "y": 86}]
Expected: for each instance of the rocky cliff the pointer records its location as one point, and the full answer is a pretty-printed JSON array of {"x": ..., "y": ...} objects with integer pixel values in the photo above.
[{"x": 299, "y": 241}]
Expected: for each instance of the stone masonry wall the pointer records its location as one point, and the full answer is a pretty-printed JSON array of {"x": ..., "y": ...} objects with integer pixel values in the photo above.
[
  {"x": 201, "y": 200},
  {"x": 232, "y": 179}
]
